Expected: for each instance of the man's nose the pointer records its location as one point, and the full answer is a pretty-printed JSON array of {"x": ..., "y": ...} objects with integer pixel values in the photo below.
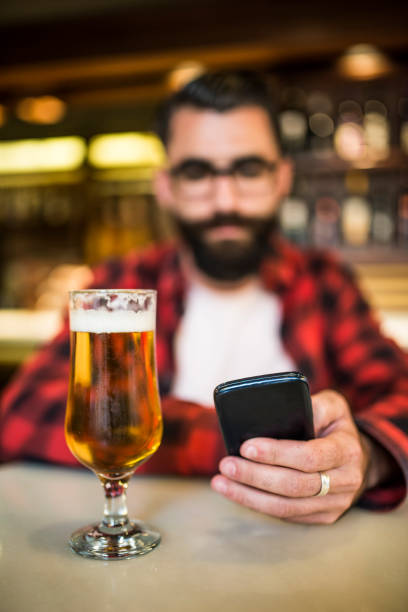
[{"x": 225, "y": 193}]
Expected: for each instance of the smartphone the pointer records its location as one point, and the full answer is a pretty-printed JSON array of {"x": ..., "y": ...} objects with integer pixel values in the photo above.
[{"x": 271, "y": 406}]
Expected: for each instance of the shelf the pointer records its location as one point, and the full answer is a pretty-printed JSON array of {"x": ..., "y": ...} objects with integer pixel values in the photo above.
[
  {"x": 385, "y": 285},
  {"x": 317, "y": 164},
  {"x": 377, "y": 255}
]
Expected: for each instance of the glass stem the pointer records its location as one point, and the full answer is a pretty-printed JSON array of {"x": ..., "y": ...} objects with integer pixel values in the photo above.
[{"x": 115, "y": 512}]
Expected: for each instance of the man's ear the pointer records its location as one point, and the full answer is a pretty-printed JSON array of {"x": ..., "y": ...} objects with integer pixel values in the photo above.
[
  {"x": 162, "y": 189},
  {"x": 285, "y": 177}
]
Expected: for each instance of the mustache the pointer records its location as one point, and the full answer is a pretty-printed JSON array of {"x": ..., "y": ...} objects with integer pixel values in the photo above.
[
  {"x": 228, "y": 260},
  {"x": 221, "y": 219}
]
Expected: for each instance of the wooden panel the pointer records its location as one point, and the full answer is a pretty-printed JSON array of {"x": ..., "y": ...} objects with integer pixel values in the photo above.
[{"x": 385, "y": 285}]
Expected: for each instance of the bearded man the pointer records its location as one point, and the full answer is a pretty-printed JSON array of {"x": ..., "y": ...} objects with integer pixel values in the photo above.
[{"x": 234, "y": 300}]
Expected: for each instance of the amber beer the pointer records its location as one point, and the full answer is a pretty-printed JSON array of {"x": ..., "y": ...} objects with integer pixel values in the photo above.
[{"x": 113, "y": 419}]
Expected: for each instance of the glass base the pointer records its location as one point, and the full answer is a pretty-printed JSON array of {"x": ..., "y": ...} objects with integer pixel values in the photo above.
[{"x": 101, "y": 542}]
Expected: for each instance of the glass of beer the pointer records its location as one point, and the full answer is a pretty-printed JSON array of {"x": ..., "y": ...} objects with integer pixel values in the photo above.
[{"x": 113, "y": 420}]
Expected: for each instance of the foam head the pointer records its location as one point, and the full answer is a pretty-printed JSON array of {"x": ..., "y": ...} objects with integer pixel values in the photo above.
[{"x": 105, "y": 322}]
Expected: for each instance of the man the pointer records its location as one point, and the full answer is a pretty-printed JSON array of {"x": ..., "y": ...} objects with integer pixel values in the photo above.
[{"x": 234, "y": 299}]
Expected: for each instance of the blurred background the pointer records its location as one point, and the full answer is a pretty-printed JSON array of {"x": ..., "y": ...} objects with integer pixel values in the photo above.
[{"x": 79, "y": 84}]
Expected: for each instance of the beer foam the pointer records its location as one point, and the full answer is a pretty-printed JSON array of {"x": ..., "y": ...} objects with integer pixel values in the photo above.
[{"x": 117, "y": 321}]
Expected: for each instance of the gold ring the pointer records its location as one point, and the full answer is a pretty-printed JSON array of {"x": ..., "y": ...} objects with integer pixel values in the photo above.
[{"x": 325, "y": 484}]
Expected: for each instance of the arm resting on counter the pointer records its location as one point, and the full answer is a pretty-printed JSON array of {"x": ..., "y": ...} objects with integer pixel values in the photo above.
[
  {"x": 371, "y": 371},
  {"x": 32, "y": 413}
]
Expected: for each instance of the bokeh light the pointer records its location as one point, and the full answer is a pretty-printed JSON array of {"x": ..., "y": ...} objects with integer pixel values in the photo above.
[
  {"x": 321, "y": 124},
  {"x": 363, "y": 62},
  {"x": 183, "y": 73},
  {"x": 3, "y": 115},
  {"x": 43, "y": 110},
  {"x": 125, "y": 150},
  {"x": 349, "y": 141}
]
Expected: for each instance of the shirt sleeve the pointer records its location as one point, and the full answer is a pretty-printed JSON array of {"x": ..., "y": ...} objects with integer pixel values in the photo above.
[
  {"x": 32, "y": 421},
  {"x": 192, "y": 443},
  {"x": 32, "y": 408},
  {"x": 372, "y": 372},
  {"x": 32, "y": 413}
]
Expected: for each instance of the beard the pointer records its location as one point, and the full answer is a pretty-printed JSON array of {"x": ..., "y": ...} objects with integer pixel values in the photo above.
[{"x": 228, "y": 259}]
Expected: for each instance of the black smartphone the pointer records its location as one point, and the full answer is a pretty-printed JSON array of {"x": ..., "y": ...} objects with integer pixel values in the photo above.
[{"x": 272, "y": 406}]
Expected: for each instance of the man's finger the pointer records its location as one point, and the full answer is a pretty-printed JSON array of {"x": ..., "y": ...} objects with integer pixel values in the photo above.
[
  {"x": 319, "y": 518},
  {"x": 274, "y": 505},
  {"x": 318, "y": 455},
  {"x": 273, "y": 479}
]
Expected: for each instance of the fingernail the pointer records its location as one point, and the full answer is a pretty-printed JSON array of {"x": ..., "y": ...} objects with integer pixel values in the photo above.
[
  {"x": 219, "y": 485},
  {"x": 250, "y": 452},
  {"x": 229, "y": 468}
]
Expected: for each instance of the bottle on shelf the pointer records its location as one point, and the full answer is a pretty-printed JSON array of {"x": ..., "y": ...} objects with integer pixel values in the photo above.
[
  {"x": 293, "y": 122},
  {"x": 356, "y": 217},
  {"x": 325, "y": 229},
  {"x": 403, "y": 218},
  {"x": 403, "y": 124},
  {"x": 294, "y": 219},
  {"x": 321, "y": 124}
]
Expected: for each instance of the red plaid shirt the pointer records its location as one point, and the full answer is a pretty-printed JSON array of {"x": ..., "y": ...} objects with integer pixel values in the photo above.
[{"x": 327, "y": 328}]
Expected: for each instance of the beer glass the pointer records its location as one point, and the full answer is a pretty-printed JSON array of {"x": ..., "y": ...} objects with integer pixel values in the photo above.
[{"x": 113, "y": 419}]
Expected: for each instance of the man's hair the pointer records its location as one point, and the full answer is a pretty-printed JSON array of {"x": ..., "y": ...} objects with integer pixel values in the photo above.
[{"x": 219, "y": 91}]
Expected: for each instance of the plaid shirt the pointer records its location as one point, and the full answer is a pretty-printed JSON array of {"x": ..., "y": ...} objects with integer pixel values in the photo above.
[{"x": 327, "y": 328}]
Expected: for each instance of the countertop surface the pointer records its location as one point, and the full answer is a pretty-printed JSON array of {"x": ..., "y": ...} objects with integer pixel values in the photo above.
[{"x": 214, "y": 554}]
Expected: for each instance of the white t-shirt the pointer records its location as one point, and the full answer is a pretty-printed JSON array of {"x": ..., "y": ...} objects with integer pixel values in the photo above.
[{"x": 225, "y": 335}]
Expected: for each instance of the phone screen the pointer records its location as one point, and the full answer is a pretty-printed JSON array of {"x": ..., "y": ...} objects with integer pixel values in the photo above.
[{"x": 273, "y": 406}]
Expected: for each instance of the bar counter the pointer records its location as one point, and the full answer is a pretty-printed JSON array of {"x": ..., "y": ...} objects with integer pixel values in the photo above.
[{"x": 214, "y": 554}]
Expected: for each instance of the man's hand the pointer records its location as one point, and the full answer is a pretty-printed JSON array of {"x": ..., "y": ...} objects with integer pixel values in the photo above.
[{"x": 282, "y": 477}]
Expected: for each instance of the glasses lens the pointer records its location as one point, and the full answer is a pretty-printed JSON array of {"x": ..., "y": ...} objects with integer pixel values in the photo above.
[
  {"x": 250, "y": 168},
  {"x": 253, "y": 176},
  {"x": 193, "y": 179},
  {"x": 193, "y": 171}
]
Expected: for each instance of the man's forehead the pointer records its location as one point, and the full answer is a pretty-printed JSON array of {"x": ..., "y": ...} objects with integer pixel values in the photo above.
[{"x": 220, "y": 135}]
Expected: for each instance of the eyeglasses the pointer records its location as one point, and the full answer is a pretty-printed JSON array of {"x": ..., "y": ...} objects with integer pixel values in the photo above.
[{"x": 194, "y": 178}]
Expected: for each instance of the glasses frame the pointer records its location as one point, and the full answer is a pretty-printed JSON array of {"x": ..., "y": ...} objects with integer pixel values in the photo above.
[{"x": 232, "y": 171}]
